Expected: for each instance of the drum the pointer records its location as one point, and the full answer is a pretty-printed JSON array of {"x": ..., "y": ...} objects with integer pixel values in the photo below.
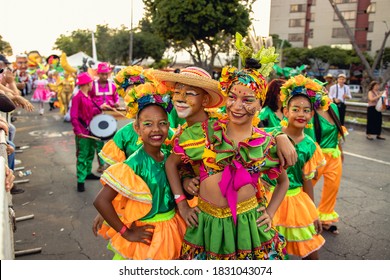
[{"x": 103, "y": 126}]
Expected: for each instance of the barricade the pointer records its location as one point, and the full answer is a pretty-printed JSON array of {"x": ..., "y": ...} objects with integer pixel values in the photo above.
[{"x": 7, "y": 214}]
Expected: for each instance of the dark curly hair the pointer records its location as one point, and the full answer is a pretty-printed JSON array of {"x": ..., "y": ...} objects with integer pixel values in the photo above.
[
  {"x": 252, "y": 63},
  {"x": 272, "y": 96}
]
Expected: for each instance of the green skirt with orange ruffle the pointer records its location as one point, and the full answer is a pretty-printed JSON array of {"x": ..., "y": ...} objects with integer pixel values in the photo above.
[{"x": 217, "y": 237}]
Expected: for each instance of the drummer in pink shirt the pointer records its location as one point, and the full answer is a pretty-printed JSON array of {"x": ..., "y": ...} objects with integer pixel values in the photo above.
[
  {"x": 103, "y": 90},
  {"x": 103, "y": 93},
  {"x": 82, "y": 111}
]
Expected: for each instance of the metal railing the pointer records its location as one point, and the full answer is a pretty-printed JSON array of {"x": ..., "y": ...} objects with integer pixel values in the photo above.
[
  {"x": 359, "y": 109},
  {"x": 7, "y": 251}
]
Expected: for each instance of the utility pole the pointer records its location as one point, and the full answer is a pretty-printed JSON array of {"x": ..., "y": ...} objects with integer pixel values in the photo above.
[
  {"x": 94, "y": 53},
  {"x": 131, "y": 36}
]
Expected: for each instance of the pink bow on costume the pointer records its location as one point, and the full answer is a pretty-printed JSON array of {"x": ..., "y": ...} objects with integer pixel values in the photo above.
[{"x": 234, "y": 177}]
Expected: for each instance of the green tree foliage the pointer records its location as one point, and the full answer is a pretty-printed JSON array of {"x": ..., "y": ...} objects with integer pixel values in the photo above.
[
  {"x": 335, "y": 57},
  {"x": 79, "y": 40},
  {"x": 118, "y": 50},
  {"x": 203, "y": 28},
  {"x": 386, "y": 58},
  {"x": 112, "y": 45},
  {"x": 279, "y": 43},
  {"x": 103, "y": 37},
  {"x": 295, "y": 57},
  {"x": 5, "y": 47}
]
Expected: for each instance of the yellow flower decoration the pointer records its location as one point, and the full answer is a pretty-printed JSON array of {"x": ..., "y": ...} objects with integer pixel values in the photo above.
[
  {"x": 309, "y": 125},
  {"x": 284, "y": 123},
  {"x": 300, "y": 80},
  {"x": 313, "y": 85},
  {"x": 129, "y": 76},
  {"x": 325, "y": 103},
  {"x": 313, "y": 89},
  {"x": 143, "y": 94}
]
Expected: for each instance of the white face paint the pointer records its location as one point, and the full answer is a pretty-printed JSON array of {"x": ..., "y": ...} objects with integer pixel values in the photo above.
[
  {"x": 182, "y": 111},
  {"x": 187, "y": 100}
]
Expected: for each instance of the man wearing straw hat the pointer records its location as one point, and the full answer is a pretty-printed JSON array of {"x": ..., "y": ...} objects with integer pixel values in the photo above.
[
  {"x": 339, "y": 93},
  {"x": 329, "y": 80}
]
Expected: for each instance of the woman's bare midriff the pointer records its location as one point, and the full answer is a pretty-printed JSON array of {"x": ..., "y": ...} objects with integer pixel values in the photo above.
[{"x": 210, "y": 191}]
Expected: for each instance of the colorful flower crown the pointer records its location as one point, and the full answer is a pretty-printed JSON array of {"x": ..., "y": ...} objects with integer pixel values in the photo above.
[
  {"x": 303, "y": 85},
  {"x": 252, "y": 77},
  {"x": 131, "y": 75},
  {"x": 147, "y": 93}
]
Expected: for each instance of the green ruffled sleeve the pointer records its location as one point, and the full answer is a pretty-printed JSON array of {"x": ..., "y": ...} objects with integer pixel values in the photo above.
[{"x": 191, "y": 143}]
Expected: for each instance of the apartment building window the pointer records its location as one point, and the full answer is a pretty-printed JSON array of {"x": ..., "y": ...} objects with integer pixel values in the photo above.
[
  {"x": 344, "y": 1},
  {"x": 311, "y": 33},
  {"x": 295, "y": 37},
  {"x": 297, "y": 22},
  {"x": 369, "y": 43},
  {"x": 312, "y": 17},
  {"x": 370, "y": 26},
  {"x": 339, "y": 33},
  {"x": 298, "y": 8},
  {"x": 347, "y": 15}
]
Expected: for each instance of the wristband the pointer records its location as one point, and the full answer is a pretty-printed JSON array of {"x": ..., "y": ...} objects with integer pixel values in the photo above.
[
  {"x": 179, "y": 198},
  {"x": 123, "y": 229}
]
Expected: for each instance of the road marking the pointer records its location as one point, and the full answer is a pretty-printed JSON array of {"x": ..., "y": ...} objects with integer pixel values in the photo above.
[{"x": 367, "y": 158}]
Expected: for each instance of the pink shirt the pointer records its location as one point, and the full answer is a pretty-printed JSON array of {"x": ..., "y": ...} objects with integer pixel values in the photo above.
[
  {"x": 104, "y": 94},
  {"x": 82, "y": 112}
]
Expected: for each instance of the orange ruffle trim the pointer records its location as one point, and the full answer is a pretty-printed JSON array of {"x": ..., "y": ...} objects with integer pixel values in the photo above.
[
  {"x": 111, "y": 153},
  {"x": 193, "y": 202},
  {"x": 305, "y": 248},
  {"x": 317, "y": 160}
]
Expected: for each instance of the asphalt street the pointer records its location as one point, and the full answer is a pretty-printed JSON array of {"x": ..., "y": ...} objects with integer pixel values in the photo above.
[{"x": 62, "y": 221}]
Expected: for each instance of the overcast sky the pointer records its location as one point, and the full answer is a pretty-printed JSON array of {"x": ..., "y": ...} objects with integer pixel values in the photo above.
[{"x": 35, "y": 25}]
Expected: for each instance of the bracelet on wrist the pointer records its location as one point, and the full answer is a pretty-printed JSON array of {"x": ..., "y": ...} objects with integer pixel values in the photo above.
[
  {"x": 123, "y": 229},
  {"x": 179, "y": 198}
]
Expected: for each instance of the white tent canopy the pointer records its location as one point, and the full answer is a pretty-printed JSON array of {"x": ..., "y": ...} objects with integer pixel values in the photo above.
[{"x": 76, "y": 60}]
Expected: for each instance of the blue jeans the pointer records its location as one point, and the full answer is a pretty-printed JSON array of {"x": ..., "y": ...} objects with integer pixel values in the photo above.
[{"x": 11, "y": 157}]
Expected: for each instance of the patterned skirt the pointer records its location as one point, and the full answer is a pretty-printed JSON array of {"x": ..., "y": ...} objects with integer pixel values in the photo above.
[{"x": 217, "y": 237}]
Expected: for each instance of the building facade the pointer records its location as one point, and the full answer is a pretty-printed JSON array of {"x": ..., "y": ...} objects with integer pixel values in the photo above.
[{"x": 313, "y": 23}]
